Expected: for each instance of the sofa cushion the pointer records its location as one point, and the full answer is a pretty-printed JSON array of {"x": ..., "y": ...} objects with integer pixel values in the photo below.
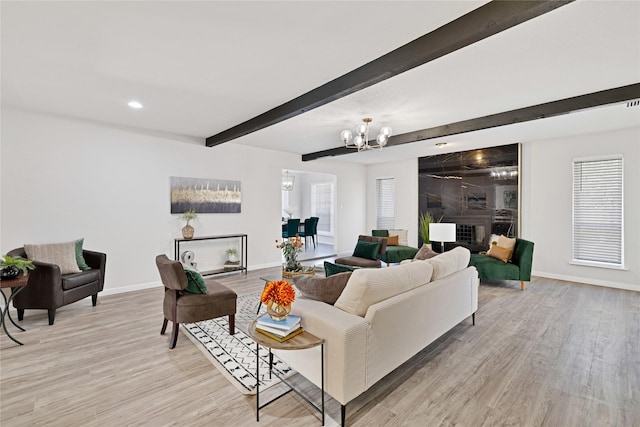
[
  {"x": 330, "y": 269},
  {"x": 449, "y": 262},
  {"x": 82, "y": 264},
  {"x": 392, "y": 241},
  {"x": 425, "y": 252},
  {"x": 492, "y": 268},
  {"x": 370, "y": 286},
  {"x": 61, "y": 254},
  {"x": 75, "y": 280},
  {"x": 359, "y": 262},
  {"x": 367, "y": 250},
  {"x": 380, "y": 233},
  {"x": 325, "y": 289},
  {"x": 402, "y": 236}
]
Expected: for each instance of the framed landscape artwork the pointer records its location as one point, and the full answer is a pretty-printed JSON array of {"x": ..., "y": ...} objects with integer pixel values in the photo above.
[
  {"x": 477, "y": 201},
  {"x": 205, "y": 195}
]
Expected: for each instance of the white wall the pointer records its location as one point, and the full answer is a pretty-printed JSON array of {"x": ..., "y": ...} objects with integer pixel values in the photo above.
[
  {"x": 406, "y": 179},
  {"x": 63, "y": 178},
  {"x": 547, "y": 205}
]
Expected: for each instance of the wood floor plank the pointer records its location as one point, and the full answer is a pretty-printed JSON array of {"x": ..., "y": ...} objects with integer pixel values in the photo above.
[{"x": 558, "y": 354}]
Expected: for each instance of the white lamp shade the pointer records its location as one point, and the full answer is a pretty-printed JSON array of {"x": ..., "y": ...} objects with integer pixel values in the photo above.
[{"x": 442, "y": 232}]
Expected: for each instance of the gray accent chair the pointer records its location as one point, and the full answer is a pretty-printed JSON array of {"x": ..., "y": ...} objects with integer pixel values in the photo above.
[{"x": 184, "y": 307}]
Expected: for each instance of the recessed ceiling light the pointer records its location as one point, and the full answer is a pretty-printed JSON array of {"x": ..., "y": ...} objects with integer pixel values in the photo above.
[
  {"x": 134, "y": 104},
  {"x": 441, "y": 144}
]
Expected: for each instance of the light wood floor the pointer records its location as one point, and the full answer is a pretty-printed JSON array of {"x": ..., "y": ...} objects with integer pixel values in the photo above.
[{"x": 558, "y": 354}]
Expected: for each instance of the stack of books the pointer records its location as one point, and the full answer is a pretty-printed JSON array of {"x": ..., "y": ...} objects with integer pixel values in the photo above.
[
  {"x": 279, "y": 330},
  {"x": 231, "y": 265}
]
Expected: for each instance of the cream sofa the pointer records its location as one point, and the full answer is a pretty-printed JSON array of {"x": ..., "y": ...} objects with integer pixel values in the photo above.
[{"x": 382, "y": 318}]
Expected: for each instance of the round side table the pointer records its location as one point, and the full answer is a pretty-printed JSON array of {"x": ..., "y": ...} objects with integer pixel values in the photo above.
[
  {"x": 299, "y": 342},
  {"x": 16, "y": 286}
]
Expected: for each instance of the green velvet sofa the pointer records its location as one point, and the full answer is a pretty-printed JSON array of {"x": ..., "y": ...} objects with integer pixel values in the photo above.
[
  {"x": 519, "y": 268},
  {"x": 394, "y": 254}
]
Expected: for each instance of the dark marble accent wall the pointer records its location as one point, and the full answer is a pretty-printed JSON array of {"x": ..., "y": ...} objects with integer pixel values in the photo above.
[{"x": 478, "y": 190}]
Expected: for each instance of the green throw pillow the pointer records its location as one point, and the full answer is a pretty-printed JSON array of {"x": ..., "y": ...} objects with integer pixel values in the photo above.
[
  {"x": 367, "y": 250},
  {"x": 331, "y": 269},
  {"x": 82, "y": 264},
  {"x": 380, "y": 233},
  {"x": 195, "y": 282}
]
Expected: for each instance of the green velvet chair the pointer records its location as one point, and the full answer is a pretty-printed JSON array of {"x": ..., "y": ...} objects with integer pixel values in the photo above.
[
  {"x": 291, "y": 229},
  {"x": 310, "y": 229},
  {"x": 395, "y": 254},
  {"x": 519, "y": 268}
]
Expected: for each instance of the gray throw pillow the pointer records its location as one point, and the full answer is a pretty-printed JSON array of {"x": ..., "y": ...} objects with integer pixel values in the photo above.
[
  {"x": 61, "y": 254},
  {"x": 425, "y": 252},
  {"x": 325, "y": 289}
]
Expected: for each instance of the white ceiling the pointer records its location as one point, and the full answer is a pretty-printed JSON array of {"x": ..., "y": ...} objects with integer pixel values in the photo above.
[{"x": 204, "y": 66}]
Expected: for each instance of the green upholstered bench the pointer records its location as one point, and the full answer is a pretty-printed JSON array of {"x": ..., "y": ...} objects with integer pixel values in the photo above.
[
  {"x": 398, "y": 253},
  {"x": 519, "y": 268},
  {"x": 395, "y": 253}
]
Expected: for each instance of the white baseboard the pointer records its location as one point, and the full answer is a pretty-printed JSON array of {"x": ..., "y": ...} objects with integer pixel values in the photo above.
[
  {"x": 588, "y": 281},
  {"x": 131, "y": 288}
]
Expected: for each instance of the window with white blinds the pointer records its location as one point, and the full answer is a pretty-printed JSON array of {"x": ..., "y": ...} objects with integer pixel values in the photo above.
[
  {"x": 322, "y": 207},
  {"x": 385, "y": 203},
  {"x": 598, "y": 229}
]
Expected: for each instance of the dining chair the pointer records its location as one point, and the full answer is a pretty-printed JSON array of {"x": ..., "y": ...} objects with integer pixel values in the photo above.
[
  {"x": 310, "y": 229},
  {"x": 291, "y": 229}
]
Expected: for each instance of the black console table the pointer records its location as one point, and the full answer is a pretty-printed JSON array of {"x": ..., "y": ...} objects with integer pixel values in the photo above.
[{"x": 243, "y": 252}]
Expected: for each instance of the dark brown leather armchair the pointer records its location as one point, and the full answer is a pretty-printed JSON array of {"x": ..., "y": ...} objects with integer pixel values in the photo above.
[{"x": 47, "y": 289}]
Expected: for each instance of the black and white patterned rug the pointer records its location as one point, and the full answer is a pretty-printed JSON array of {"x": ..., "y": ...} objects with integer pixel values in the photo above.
[{"x": 235, "y": 355}]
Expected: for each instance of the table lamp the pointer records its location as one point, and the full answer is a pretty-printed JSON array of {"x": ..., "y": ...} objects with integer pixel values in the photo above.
[{"x": 442, "y": 232}]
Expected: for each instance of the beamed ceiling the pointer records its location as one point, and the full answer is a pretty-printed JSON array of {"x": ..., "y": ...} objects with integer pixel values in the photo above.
[{"x": 289, "y": 76}]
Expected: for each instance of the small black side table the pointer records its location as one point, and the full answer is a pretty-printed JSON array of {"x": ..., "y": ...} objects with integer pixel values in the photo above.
[{"x": 16, "y": 286}]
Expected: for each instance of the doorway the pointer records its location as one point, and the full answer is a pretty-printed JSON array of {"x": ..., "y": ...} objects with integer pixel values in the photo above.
[{"x": 307, "y": 194}]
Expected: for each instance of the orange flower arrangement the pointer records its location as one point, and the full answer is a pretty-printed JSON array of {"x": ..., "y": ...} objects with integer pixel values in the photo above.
[{"x": 279, "y": 291}]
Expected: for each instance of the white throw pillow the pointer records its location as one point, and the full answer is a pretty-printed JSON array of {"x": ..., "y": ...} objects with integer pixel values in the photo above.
[
  {"x": 507, "y": 242},
  {"x": 449, "y": 262},
  {"x": 368, "y": 286},
  {"x": 61, "y": 254},
  {"x": 402, "y": 236},
  {"x": 494, "y": 238}
]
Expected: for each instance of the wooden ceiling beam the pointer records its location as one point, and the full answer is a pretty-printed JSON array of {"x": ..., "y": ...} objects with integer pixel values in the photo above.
[
  {"x": 535, "y": 112},
  {"x": 483, "y": 22}
]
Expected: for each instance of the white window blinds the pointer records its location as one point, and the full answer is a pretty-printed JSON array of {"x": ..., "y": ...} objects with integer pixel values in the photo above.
[
  {"x": 322, "y": 206},
  {"x": 598, "y": 211},
  {"x": 385, "y": 203}
]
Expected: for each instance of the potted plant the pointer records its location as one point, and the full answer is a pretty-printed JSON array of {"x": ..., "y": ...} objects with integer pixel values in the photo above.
[
  {"x": 187, "y": 230},
  {"x": 12, "y": 266},
  {"x": 426, "y": 219},
  {"x": 232, "y": 255}
]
